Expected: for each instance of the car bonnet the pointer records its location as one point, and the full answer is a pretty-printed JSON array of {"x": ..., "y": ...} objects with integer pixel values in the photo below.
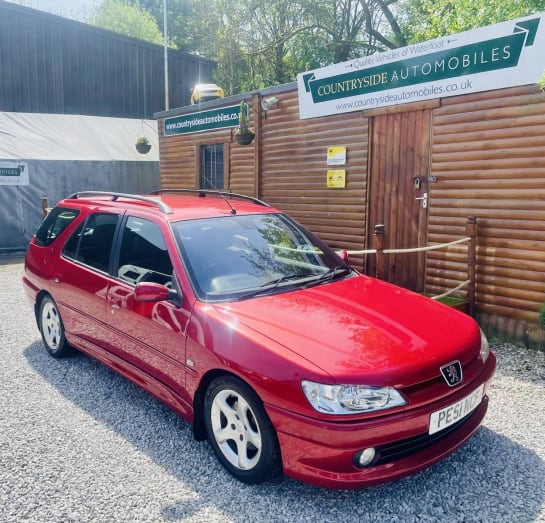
[{"x": 361, "y": 330}]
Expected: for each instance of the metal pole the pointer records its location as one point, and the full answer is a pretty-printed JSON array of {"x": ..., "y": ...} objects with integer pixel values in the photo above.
[
  {"x": 165, "y": 40},
  {"x": 45, "y": 207},
  {"x": 378, "y": 244},
  {"x": 471, "y": 231}
]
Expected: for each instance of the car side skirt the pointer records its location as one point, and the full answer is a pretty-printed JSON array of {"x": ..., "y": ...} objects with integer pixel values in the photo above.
[{"x": 156, "y": 388}]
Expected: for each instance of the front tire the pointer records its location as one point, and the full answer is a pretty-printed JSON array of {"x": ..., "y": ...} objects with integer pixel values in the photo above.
[
  {"x": 52, "y": 329},
  {"x": 240, "y": 432}
]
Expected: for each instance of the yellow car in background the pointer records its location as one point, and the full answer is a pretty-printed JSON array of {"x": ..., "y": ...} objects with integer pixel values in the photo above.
[{"x": 205, "y": 93}]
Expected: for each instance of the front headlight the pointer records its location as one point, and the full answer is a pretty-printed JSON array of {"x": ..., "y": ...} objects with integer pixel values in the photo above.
[
  {"x": 351, "y": 399},
  {"x": 485, "y": 348}
]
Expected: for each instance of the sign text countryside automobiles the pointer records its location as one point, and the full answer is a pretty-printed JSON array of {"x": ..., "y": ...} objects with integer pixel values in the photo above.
[{"x": 494, "y": 57}]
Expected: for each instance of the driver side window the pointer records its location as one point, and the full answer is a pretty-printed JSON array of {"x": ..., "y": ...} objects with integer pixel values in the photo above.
[{"x": 143, "y": 255}]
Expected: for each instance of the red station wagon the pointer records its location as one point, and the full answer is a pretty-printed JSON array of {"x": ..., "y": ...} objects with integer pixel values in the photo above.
[{"x": 259, "y": 335}]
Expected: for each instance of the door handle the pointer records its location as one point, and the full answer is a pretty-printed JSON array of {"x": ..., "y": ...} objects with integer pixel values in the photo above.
[
  {"x": 424, "y": 199},
  {"x": 115, "y": 307}
]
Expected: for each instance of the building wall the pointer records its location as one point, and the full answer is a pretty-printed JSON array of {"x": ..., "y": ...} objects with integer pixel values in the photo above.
[
  {"x": 294, "y": 167},
  {"x": 52, "y": 64},
  {"x": 486, "y": 154}
]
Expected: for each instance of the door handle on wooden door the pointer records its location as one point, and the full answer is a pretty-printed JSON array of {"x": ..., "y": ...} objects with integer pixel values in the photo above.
[{"x": 424, "y": 199}]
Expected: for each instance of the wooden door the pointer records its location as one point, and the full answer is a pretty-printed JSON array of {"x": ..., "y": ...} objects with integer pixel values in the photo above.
[{"x": 399, "y": 155}]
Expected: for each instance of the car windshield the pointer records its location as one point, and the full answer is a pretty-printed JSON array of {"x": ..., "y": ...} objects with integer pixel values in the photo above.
[{"x": 242, "y": 256}]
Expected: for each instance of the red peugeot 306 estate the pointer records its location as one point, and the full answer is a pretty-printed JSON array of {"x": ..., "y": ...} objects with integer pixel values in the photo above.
[{"x": 262, "y": 337}]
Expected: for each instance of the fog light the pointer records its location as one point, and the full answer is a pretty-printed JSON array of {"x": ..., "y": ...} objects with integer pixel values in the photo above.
[{"x": 365, "y": 457}]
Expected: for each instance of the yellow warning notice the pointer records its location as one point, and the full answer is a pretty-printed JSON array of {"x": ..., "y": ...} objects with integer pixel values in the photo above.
[{"x": 336, "y": 178}]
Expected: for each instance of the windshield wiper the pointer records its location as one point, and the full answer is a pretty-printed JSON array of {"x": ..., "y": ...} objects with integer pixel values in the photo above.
[
  {"x": 331, "y": 274},
  {"x": 270, "y": 286},
  {"x": 310, "y": 277},
  {"x": 286, "y": 277}
]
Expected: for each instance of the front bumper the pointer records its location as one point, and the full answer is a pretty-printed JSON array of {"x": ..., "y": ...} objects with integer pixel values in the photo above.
[{"x": 322, "y": 452}]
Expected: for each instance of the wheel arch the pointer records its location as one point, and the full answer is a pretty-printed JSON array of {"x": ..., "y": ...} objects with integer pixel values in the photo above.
[
  {"x": 199, "y": 430},
  {"x": 39, "y": 298},
  {"x": 266, "y": 460}
]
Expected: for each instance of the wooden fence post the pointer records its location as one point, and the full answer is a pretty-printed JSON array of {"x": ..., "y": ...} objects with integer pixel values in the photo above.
[
  {"x": 378, "y": 244},
  {"x": 471, "y": 231},
  {"x": 45, "y": 206}
]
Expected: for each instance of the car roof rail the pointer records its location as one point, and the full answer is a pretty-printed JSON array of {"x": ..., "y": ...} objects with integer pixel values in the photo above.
[
  {"x": 222, "y": 194},
  {"x": 163, "y": 207}
]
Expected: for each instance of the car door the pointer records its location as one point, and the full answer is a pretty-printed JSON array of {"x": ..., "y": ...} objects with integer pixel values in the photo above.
[
  {"x": 80, "y": 279},
  {"x": 149, "y": 336}
]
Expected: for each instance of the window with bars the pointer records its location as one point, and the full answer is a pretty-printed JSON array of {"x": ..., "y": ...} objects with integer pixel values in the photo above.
[{"x": 211, "y": 175}]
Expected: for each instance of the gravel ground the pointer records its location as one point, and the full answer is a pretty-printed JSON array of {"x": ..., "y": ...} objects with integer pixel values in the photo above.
[{"x": 78, "y": 444}]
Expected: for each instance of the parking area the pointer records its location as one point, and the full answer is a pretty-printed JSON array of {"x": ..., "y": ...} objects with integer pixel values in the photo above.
[{"x": 79, "y": 443}]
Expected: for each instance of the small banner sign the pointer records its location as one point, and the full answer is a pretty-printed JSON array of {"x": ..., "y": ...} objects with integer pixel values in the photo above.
[
  {"x": 336, "y": 155},
  {"x": 13, "y": 173},
  {"x": 202, "y": 121},
  {"x": 336, "y": 178},
  {"x": 494, "y": 57}
]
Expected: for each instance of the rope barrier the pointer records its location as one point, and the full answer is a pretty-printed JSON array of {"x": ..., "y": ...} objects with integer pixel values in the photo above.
[
  {"x": 451, "y": 291},
  {"x": 367, "y": 251},
  {"x": 422, "y": 249},
  {"x": 413, "y": 249},
  {"x": 427, "y": 248}
]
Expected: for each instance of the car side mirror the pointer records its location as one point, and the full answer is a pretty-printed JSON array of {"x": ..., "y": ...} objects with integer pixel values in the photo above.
[
  {"x": 155, "y": 292},
  {"x": 343, "y": 255}
]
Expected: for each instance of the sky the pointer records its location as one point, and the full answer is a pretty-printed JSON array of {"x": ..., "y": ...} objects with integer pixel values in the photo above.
[{"x": 76, "y": 9}]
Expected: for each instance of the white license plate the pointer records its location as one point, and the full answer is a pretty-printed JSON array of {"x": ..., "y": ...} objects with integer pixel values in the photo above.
[{"x": 441, "y": 419}]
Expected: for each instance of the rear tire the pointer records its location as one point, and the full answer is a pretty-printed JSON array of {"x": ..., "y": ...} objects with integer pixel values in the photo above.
[
  {"x": 240, "y": 432},
  {"x": 52, "y": 329}
]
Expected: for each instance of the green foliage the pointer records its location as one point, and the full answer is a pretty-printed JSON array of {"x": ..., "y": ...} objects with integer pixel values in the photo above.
[
  {"x": 129, "y": 20},
  {"x": 243, "y": 117},
  {"x": 186, "y": 27},
  {"x": 259, "y": 44},
  {"x": 423, "y": 20},
  {"x": 541, "y": 316},
  {"x": 541, "y": 82}
]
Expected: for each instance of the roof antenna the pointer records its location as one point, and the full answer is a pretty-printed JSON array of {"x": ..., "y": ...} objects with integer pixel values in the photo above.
[{"x": 233, "y": 210}]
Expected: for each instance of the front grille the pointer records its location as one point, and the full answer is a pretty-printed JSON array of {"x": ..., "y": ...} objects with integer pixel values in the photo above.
[
  {"x": 407, "y": 447},
  {"x": 471, "y": 370}
]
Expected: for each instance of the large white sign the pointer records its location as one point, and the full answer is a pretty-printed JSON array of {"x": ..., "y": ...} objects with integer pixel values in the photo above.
[
  {"x": 13, "y": 173},
  {"x": 501, "y": 55}
]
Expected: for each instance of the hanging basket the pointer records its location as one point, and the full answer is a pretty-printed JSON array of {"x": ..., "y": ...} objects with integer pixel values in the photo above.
[
  {"x": 143, "y": 148},
  {"x": 245, "y": 137}
]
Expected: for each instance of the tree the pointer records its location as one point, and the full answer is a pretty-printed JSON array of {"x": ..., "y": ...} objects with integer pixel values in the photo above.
[
  {"x": 427, "y": 19},
  {"x": 283, "y": 38},
  {"x": 358, "y": 27},
  {"x": 266, "y": 33},
  {"x": 258, "y": 43},
  {"x": 129, "y": 20},
  {"x": 225, "y": 45},
  {"x": 187, "y": 20},
  {"x": 204, "y": 27}
]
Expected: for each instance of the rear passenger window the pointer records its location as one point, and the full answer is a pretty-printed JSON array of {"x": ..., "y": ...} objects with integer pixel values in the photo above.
[
  {"x": 143, "y": 255},
  {"x": 91, "y": 243},
  {"x": 55, "y": 222}
]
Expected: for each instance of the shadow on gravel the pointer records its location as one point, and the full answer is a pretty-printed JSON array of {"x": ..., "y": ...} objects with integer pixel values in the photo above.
[{"x": 490, "y": 479}]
